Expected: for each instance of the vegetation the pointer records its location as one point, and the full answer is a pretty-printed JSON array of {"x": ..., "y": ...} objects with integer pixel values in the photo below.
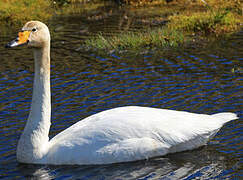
[
  {"x": 214, "y": 18},
  {"x": 184, "y": 17},
  {"x": 18, "y": 11},
  {"x": 132, "y": 40},
  {"x": 218, "y": 22}
]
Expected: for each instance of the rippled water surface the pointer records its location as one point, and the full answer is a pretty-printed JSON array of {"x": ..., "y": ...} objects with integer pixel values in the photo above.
[{"x": 197, "y": 79}]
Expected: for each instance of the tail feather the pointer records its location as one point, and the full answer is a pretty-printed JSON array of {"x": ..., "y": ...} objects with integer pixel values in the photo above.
[{"x": 225, "y": 116}]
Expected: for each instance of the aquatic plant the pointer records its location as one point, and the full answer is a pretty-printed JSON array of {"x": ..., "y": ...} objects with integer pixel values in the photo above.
[{"x": 159, "y": 37}]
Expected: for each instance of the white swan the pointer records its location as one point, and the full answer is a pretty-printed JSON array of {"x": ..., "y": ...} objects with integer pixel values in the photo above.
[{"x": 116, "y": 135}]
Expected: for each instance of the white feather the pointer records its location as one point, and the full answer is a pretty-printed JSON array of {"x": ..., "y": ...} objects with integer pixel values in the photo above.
[
  {"x": 116, "y": 135},
  {"x": 131, "y": 133}
]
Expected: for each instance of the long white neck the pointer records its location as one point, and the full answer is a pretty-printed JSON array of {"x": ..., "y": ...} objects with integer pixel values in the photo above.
[{"x": 33, "y": 143}]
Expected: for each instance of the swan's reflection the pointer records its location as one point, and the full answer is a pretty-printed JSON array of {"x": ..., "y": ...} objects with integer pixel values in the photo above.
[{"x": 201, "y": 163}]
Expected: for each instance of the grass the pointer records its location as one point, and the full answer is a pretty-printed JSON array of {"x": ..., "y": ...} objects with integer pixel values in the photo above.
[
  {"x": 135, "y": 40},
  {"x": 218, "y": 22},
  {"x": 186, "y": 18},
  {"x": 19, "y": 11},
  {"x": 217, "y": 17}
]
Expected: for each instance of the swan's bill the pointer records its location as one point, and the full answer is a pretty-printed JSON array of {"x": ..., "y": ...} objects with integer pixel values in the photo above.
[{"x": 20, "y": 40}]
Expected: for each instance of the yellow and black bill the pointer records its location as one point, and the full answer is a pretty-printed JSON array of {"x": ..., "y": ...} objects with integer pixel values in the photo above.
[{"x": 22, "y": 39}]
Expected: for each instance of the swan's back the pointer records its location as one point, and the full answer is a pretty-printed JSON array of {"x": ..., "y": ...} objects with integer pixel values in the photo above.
[
  {"x": 116, "y": 135},
  {"x": 133, "y": 133}
]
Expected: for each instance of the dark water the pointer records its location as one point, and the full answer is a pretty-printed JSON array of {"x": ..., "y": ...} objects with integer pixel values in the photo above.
[{"x": 200, "y": 79}]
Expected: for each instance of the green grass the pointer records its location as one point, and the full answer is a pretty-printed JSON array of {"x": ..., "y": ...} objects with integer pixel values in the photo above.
[
  {"x": 185, "y": 17},
  {"x": 159, "y": 37},
  {"x": 217, "y": 22},
  {"x": 217, "y": 17}
]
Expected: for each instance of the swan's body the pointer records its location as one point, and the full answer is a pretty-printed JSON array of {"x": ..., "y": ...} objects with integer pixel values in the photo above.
[{"x": 116, "y": 135}]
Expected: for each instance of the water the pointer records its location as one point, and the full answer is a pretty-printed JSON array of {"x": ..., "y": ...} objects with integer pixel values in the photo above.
[{"x": 196, "y": 79}]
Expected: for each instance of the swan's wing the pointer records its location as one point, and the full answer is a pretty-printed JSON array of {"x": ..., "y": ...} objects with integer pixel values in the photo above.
[
  {"x": 132, "y": 133},
  {"x": 131, "y": 149}
]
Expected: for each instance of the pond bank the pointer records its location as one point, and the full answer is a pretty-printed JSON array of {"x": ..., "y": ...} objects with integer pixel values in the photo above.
[
  {"x": 13, "y": 12},
  {"x": 163, "y": 24}
]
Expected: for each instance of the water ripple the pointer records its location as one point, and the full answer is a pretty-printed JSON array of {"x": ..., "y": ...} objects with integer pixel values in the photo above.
[{"x": 200, "y": 81}]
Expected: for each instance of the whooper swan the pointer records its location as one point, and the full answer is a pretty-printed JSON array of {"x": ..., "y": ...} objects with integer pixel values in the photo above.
[{"x": 117, "y": 135}]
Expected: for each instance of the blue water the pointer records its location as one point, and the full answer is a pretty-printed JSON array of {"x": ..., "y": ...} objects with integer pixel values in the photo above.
[{"x": 205, "y": 79}]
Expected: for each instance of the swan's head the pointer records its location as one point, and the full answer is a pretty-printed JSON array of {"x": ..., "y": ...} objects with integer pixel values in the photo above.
[{"x": 34, "y": 34}]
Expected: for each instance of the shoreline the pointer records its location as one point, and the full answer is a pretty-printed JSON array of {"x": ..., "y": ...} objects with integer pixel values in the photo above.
[{"x": 184, "y": 21}]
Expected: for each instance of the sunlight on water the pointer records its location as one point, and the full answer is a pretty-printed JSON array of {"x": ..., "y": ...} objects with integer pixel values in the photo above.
[{"x": 206, "y": 80}]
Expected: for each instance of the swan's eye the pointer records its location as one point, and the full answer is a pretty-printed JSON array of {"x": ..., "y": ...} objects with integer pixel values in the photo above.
[{"x": 34, "y": 30}]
